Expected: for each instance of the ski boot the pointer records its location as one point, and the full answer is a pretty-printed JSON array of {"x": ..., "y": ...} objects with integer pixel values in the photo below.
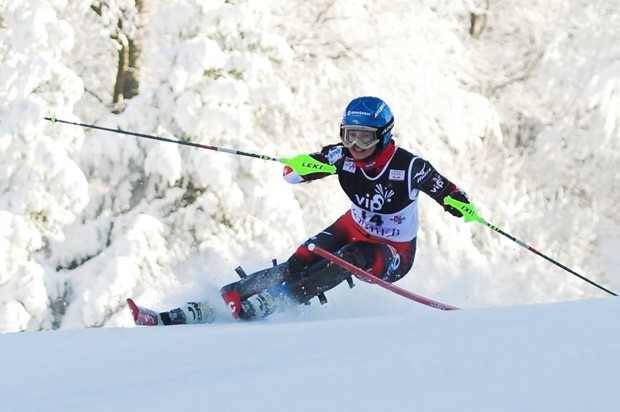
[
  {"x": 190, "y": 313},
  {"x": 256, "y": 306}
]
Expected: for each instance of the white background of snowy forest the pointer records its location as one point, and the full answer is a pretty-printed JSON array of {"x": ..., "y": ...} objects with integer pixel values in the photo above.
[{"x": 524, "y": 116}]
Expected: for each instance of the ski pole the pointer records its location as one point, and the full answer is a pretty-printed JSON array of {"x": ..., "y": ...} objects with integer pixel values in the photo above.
[
  {"x": 302, "y": 164},
  {"x": 362, "y": 274},
  {"x": 471, "y": 214}
]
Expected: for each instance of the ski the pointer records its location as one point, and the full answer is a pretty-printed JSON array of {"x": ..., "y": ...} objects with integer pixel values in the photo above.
[
  {"x": 189, "y": 313},
  {"x": 362, "y": 274},
  {"x": 143, "y": 316}
]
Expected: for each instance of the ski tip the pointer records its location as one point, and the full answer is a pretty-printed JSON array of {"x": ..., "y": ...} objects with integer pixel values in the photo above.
[{"x": 134, "y": 309}]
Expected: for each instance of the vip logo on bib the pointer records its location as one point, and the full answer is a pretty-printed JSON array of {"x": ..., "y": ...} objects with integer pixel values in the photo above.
[{"x": 397, "y": 175}]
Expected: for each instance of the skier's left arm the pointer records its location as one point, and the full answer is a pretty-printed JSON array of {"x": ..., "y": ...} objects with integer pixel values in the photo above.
[{"x": 427, "y": 179}]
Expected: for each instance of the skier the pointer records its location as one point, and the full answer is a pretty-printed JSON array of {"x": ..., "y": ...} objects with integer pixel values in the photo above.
[{"x": 377, "y": 234}]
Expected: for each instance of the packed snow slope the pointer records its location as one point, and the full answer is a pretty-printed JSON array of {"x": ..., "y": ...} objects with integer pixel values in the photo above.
[
  {"x": 522, "y": 112},
  {"x": 404, "y": 357}
]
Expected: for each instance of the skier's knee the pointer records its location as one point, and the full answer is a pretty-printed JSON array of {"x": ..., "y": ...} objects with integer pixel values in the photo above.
[
  {"x": 360, "y": 254},
  {"x": 379, "y": 259}
]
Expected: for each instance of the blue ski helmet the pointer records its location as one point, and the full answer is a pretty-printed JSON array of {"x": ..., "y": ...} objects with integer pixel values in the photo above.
[{"x": 372, "y": 112}]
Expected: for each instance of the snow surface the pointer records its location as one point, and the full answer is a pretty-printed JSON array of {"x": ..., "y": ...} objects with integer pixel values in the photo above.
[{"x": 544, "y": 357}]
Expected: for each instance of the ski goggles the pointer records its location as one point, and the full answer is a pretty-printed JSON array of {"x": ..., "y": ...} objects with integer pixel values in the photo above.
[{"x": 363, "y": 137}]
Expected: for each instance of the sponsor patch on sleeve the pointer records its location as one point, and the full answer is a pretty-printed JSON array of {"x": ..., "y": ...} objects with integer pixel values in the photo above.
[{"x": 334, "y": 155}]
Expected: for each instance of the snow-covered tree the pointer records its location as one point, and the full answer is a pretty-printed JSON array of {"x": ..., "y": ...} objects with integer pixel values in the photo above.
[
  {"x": 42, "y": 187},
  {"x": 509, "y": 110}
]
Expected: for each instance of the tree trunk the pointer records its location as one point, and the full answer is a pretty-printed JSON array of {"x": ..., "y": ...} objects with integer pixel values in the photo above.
[{"x": 129, "y": 59}]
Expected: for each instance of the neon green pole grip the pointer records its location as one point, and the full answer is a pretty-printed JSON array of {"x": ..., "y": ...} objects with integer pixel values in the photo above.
[
  {"x": 305, "y": 164},
  {"x": 467, "y": 209}
]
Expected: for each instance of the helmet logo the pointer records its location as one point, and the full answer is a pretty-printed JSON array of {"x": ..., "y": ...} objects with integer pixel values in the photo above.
[
  {"x": 387, "y": 129},
  {"x": 358, "y": 113},
  {"x": 380, "y": 109}
]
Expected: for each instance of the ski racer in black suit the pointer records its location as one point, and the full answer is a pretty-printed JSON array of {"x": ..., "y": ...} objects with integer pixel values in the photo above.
[{"x": 378, "y": 233}]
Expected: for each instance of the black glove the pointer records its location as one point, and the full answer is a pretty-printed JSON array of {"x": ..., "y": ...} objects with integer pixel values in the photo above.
[{"x": 459, "y": 195}]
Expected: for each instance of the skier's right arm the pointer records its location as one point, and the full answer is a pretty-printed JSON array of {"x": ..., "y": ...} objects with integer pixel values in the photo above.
[
  {"x": 294, "y": 178},
  {"x": 329, "y": 155}
]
